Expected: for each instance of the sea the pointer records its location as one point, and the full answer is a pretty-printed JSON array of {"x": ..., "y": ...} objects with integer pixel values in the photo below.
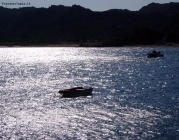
[{"x": 133, "y": 98}]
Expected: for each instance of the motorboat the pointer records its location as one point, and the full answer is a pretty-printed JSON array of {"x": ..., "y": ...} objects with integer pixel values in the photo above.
[
  {"x": 76, "y": 92},
  {"x": 155, "y": 54}
]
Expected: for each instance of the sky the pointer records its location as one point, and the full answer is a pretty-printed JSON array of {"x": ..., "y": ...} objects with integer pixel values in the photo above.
[{"x": 94, "y": 5}]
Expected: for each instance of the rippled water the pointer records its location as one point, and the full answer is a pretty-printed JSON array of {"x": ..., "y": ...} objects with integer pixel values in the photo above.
[{"x": 134, "y": 97}]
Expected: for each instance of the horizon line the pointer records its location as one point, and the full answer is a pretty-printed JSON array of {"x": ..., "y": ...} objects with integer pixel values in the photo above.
[{"x": 25, "y": 6}]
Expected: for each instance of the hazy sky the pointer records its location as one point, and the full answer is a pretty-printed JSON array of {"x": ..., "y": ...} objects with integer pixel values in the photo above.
[{"x": 95, "y": 5}]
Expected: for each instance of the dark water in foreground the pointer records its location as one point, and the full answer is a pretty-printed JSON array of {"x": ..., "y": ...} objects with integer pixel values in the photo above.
[{"x": 134, "y": 97}]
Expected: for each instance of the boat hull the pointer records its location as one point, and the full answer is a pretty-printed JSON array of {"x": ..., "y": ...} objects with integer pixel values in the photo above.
[
  {"x": 152, "y": 55},
  {"x": 76, "y": 92}
]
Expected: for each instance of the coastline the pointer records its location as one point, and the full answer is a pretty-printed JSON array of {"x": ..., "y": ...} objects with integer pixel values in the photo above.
[
  {"x": 44, "y": 45},
  {"x": 78, "y": 45}
]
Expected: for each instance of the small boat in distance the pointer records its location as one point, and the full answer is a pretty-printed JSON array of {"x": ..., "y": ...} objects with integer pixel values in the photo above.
[
  {"x": 155, "y": 54},
  {"x": 76, "y": 92}
]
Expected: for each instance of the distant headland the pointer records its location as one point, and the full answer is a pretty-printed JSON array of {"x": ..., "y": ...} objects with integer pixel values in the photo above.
[{"x": 154, "y": 24}]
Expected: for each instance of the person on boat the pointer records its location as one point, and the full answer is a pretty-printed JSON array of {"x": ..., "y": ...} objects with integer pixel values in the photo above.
[{"x": 154, "y": 51}]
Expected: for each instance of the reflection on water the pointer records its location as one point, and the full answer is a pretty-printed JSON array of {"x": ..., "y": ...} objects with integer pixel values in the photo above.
[{"x": 134, "y": 97}]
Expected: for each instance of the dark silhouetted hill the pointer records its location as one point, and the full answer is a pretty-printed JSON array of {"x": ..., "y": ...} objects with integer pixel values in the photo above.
[{"x": 152, "y": 24}]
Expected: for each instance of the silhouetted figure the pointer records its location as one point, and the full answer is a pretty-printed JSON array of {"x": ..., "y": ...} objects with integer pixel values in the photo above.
[{"x": 154, "y": 51}]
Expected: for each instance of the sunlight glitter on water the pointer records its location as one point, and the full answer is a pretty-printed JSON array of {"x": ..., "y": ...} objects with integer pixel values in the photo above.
[
  {"x": 37, "y": 54},
  {"x": 134, "y": 97}
]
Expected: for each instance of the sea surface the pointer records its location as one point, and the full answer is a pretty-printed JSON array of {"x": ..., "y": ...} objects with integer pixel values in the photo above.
[{"x": 134, "y": 97}]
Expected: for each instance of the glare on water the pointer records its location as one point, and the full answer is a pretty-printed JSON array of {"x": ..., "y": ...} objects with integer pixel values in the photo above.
[{"x": 134, "y": 97}]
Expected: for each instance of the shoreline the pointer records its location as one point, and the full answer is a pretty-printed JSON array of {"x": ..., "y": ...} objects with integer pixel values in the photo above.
[
  {"x": 48, "y": 45},
  {"x": 78, "y": 45}
]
